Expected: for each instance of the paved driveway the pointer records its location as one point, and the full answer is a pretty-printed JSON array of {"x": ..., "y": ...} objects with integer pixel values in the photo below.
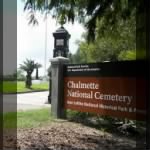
[{"x": 25, "y": 101}]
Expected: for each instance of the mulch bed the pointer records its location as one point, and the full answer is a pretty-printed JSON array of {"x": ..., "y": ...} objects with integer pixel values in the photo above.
[{"x": 64, "y": 135}]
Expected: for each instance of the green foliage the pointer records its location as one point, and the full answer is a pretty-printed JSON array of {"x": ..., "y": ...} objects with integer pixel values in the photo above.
[
  {"x": 108, "y": 123},
  {"x": 112, "y": 45},
  {"x": 127, "y": 55},
  {"x": 103, "y": 49},
  {"x": 77, "y": 116},
  {"x": 87, "y": 12}
]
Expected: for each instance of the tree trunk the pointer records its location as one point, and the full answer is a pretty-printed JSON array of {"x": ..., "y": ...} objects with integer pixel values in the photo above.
[
  {"x": 37, "y": 74},
  {"x": 28, "y": 81}
]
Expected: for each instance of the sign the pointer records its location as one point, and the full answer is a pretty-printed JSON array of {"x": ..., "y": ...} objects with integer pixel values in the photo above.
[{"x": 114, "y": 88}]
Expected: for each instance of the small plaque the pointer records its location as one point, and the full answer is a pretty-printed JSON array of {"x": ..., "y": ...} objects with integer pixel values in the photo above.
[{"x": 60, "y": 42}]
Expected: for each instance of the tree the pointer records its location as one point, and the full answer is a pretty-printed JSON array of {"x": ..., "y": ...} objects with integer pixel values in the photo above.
[
  {"x": 101, "y": 18},
  {"x": 89, "y": 12},
  {"x": 111, "y": 46},
  {"x": 37, "y": 66},
  {"x": 28, "y": 66}
]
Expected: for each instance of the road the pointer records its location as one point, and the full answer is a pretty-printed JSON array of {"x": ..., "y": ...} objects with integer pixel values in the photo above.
[{"x": 25, "y": 101}]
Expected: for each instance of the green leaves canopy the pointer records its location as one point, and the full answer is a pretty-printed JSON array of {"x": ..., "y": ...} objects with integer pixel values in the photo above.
[
  {"x": 113, "y": 45},
  {"x": 87, "y": 11},
  {"x": 28, "y": 66}
]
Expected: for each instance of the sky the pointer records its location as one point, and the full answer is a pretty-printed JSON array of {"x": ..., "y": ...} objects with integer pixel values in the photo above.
[{"x": 31, "y": 39}]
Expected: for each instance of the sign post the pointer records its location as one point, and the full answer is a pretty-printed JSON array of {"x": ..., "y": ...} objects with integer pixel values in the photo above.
[{"x": 57, "y": 86}]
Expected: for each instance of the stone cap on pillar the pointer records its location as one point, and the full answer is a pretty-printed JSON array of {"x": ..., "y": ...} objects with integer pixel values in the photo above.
[{"x": 59, "y": 59}]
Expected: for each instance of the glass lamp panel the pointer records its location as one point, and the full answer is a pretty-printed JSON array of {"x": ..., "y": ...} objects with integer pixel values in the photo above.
[{"x": 60, "y": 42}]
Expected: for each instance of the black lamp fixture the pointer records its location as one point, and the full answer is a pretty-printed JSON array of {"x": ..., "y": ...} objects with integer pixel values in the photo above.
[{"x": 61, "y": 42}]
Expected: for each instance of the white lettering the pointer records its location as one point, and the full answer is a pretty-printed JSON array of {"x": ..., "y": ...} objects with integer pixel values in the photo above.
[{"x": 80, "y": 85}]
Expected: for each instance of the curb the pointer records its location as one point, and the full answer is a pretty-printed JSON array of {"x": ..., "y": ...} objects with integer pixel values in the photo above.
[{"x": 25, "y": 92}]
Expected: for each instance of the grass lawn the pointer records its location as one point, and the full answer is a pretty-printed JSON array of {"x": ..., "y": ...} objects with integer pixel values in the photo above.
[
  {"x": 27, "y": 119},
  {"x": 19, "y": 86}
]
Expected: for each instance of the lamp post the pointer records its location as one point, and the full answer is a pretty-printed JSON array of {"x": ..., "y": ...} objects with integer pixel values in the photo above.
[{"x": 61, "y": 48}]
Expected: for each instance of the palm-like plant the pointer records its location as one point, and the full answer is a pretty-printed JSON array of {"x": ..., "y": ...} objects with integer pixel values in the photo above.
[
  {"x": 37, "y": 66},
  {"x": 28, "y": 66}
]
